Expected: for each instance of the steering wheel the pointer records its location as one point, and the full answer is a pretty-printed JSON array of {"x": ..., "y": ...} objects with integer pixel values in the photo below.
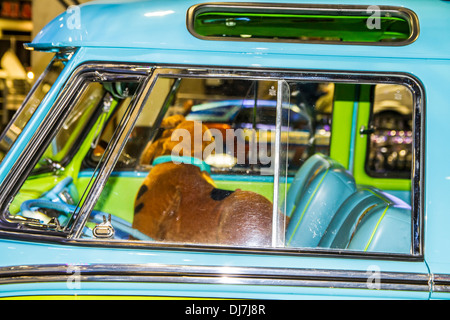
[
  {"x": 55, "y": 199},
  {"x": 65, "y": 191}
]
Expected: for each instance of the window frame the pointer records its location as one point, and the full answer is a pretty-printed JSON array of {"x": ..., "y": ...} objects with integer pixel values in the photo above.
[{"x": 150, "y": 73}]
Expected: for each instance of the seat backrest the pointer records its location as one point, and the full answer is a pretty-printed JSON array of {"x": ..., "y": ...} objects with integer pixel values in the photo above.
[
  {"x": 318, "y": 190},
  {"x": 370, "y": 220},
  {"x": 312, "y": 166}
]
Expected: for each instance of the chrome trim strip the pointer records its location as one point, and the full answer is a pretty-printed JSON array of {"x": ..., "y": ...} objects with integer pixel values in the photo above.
[
  {"x": 151, "y": 273},
  {"x": 441, "y": 283}
]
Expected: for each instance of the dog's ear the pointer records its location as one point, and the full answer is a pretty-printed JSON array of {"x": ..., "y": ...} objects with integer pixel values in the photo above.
[
  {"x": 150, "y": 152},
  {"x": 172, "y": 121}
]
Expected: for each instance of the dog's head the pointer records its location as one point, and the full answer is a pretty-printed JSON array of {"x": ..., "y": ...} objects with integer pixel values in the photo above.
[{"x": 180, "y": 137}]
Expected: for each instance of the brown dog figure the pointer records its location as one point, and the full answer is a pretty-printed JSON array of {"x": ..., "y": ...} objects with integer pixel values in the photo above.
[{"x": 179, "y": 202}]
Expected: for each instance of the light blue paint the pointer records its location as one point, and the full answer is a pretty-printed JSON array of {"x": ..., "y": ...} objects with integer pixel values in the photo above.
[{"x": 144, "y": 20}]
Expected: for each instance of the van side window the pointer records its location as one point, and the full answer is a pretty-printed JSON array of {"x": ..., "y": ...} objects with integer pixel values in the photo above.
[
  {"x": 330, "y": 204},
  {"x": 346, "y": 25},
  {"x": 187, "y": 158}
]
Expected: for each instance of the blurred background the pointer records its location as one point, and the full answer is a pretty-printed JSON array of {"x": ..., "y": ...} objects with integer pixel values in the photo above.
[{"x": 20, "y": 21}]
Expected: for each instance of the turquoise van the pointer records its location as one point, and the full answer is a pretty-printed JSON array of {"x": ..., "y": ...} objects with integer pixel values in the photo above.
[{"x": 255, "y": 150}]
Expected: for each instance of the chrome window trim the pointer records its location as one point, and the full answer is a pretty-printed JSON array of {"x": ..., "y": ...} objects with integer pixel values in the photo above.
[
  {"x": 408, "y": 13},
  {"x": 322, "y": 76},
  {"x": 354, "y": 77},
  {"x": 188, "y": 274}
]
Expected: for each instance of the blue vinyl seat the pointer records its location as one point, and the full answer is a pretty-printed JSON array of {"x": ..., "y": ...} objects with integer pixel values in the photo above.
[
  {"x": 370, "y": 220},
  {"x": 317, "y": 191}
]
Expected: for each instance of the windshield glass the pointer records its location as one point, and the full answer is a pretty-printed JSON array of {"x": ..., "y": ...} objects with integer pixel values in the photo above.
[{"x": 31, "y": 103}]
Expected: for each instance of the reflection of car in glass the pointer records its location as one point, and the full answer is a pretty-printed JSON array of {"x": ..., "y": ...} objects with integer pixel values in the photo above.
[
  {"x": 239, "y": 114},
  {"x": 106, "y": 178}
]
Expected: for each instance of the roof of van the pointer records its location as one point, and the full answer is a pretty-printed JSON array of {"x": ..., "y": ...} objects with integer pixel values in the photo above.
[{"x": 161, "y": 24}]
